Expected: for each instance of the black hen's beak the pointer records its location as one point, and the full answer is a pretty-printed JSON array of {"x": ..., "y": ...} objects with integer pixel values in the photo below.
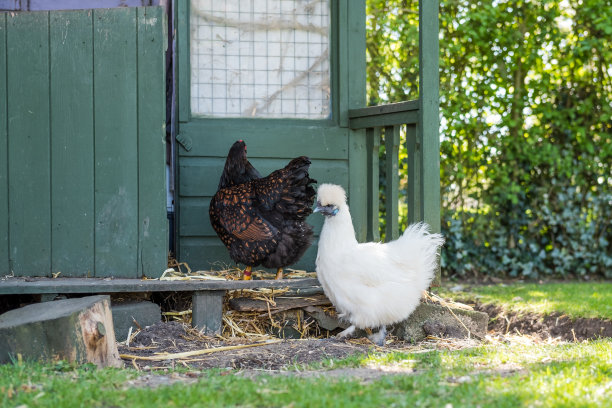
[{"x": 327, "y": 210}]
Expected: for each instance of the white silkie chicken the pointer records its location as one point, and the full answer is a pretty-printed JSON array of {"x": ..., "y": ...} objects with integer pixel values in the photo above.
[{"x": 373, "y": 284}]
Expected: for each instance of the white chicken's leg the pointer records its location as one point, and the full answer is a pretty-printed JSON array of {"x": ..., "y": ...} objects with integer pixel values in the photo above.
[
  {"x": 346, "y": 333},
  {"x": 379, "y": 338}
]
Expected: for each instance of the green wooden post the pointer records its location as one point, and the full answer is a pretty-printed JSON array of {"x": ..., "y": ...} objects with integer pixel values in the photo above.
[
  {"x": 183, "y": 91},
  {"x": 152, "y": 222},
  {"x": 429, "y": 114},
  {"x": 4, "y": 197},
  {"x": 72, "y": 147},
  {"x": 27, "y": 50},
  {"x": 373, "y": 223},
  {"x": 392, "y": 141},
  {"x": 116, "y": 147},
  {"x": 356, "y": 98},
  {"x": 414, "y": 175}
]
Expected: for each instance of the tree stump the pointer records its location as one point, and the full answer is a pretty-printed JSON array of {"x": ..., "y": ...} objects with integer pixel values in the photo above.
[{"x": 77, "y": 330}]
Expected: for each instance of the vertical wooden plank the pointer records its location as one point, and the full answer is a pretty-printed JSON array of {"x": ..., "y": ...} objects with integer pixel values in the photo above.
[
  {"x": 429, "y": 115},
  {"x": 207, "y": 307},
  {"x": 4, "y": 231},
  {"x": 373, "y": 145},
  {"x": 414, "y": 175},
  {"x": 429, "y": 111},
  {"x": 356, "y": 48},
  {"x": 343, "y": 62},
  {"x": 115, "y": 127},
  {"x": 392, "y": 140},
  {"x": 72, "y": 147},
  {"x": 354, "y": 81},
  {"x": 183, "y": 93},
  {"x": 152, "y": 221},
  {"x": 27, "y": 50}
]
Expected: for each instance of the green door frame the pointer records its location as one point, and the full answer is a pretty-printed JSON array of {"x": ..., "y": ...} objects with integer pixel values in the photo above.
[{"x": 348, "y": 91}]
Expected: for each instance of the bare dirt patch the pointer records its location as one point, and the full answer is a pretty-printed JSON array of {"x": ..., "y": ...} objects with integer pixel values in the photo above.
[
  {"x": 175, "y": 337},
  {"x": 281, "y": 355},
  {"x": 544, "y": 326}
]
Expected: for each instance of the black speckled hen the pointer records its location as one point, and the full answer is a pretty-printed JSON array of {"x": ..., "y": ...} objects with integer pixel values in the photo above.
[{"x": 262, "y": 220}]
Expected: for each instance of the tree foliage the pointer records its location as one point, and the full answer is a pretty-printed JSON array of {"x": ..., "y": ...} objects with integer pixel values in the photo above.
[{"x": 526, "y": 128}]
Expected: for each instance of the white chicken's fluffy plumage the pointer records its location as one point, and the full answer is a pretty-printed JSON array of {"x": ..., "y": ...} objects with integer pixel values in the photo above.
[{"x": 371, "y": 284}]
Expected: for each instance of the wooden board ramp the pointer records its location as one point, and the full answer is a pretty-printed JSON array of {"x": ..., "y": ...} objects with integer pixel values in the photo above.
[
  {"x": 207, "y": 295},
  {"x": 77, "y": 330}
]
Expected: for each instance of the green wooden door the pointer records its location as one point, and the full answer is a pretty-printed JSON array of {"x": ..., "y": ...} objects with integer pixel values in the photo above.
[
  {"x": 82, "y": 180},
  {"x": 337, "y": 152}
]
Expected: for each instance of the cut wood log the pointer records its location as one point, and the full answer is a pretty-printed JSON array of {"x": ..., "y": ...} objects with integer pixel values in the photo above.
[
  {"x": 77, "y": 330},
  {"x": 256, "y": 305}
]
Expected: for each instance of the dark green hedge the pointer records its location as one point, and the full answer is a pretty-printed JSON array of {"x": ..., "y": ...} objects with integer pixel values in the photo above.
[{"x": 526, "y": 128}]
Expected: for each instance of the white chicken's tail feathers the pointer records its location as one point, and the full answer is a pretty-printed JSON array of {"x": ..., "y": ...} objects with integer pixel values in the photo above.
[{"x": 424, "y": 245}]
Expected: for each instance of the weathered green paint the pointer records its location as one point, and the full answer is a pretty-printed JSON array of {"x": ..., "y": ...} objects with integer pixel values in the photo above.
[
  {"x": 4, "y": 224},
  {"x": 183, "y": 91},
  {"x": 429, "y": 115},
  {"x": 116, "y": 142},
  {"x": 429, "y": 111},
  {"x": 383, "y": 110},
  {"x": 83, "y": 166},
  {"x": 151, "y": 141},
  {"x": 356, "y": 83},
  {"x": 72, "y": 126},
  {"x": 388, "y": 119},
  {"x": 373, "y": 145},
  {"x": 342, "y": 140},
  {"x": 27, "y": 51},
  {"x": 414, "y": 175},
  {"x": 95, "y": 285},
  {"x": 283, "y": 138},
  {"x": 392, "y": 141}
]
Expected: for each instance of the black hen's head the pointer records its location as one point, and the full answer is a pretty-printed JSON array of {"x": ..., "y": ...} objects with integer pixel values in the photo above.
[{"x": 237, "y": 168}]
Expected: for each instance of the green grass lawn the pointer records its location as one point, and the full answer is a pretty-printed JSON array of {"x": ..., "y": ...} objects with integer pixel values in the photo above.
[
  {"x": 563, "y": 375},
  {"x": 512, "y": 372},
  {"x": 576, "y": 299}
]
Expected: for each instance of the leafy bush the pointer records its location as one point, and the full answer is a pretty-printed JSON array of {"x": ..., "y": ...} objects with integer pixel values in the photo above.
[{"x": 526, "y": 148}]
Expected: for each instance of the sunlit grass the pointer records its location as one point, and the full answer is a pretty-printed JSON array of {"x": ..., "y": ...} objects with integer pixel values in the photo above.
[
  {"x": 576, "y": 299},
  {"x": 500, "y": 375}
]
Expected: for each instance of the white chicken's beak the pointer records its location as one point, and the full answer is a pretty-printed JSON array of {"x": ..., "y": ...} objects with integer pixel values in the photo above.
[{"x": 327, "y": 210}]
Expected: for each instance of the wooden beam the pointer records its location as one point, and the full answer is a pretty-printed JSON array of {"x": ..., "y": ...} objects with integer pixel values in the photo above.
[
  {"x": 406, "y": 106},
  {"x": 373, "y": 145},
  {"x": 429, "y": 112},
  {"x": 415, "y": 209},
  {"x": 392, "y": 140},
  {"x": 78, "y": 330},
  {"x": 429, "y": 115},
  {"x": 387, "y": 119},
  {"x": 16, "y": 286},
  {"x": 207, "y": 311}
]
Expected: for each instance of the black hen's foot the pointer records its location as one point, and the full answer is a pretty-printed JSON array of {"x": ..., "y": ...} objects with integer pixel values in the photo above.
[
  {"x": 246, "y": 274},
  {"x": 279, "y": 274}
]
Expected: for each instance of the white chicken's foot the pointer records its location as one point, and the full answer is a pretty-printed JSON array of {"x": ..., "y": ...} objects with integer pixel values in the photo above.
[
  {"x": 379, "y": 338},
  {"x": 346, "y": 332}
]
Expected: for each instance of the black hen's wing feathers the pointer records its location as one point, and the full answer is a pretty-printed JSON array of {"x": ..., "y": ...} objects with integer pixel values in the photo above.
[
  {"x": 263, "y": 220},
  {"x": 287, "y": 191}
]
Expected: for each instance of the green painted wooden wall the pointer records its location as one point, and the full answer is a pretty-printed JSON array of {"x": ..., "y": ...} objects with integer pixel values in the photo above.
[
  {"x": 82, "y": 154},
  {"x": 337, "y": 152}
]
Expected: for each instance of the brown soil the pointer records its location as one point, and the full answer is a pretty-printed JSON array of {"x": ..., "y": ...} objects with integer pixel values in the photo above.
[
  {"x": 553, "y": 325},
  {"x": 175, "y": 337}
]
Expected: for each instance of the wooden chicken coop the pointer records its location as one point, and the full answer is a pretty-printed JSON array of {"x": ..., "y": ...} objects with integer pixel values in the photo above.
[{"x": 110, "y": 127}]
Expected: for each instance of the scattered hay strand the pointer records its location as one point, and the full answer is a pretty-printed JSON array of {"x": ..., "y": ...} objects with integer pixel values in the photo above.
[{"x": 177, "y": 356}]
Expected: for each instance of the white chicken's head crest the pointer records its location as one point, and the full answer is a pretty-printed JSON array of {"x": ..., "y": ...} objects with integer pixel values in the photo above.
[{"x": 331, "y": 194}]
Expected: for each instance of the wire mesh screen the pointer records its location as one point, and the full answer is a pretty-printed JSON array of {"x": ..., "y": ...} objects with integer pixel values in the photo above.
[{"x": 260, "y": 58}]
